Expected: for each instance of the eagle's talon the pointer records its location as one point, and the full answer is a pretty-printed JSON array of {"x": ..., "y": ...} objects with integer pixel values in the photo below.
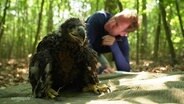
[
  {"x": 98, "y": 88},
  {"x": 98, "y": 91},
  {"x": 52, "y": 93},
  {"x": 109, "y": 89},
  {"x": 103, "y": 88}
]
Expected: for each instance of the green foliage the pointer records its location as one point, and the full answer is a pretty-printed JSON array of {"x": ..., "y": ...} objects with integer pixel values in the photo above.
[{"x": 22, "y": 19}]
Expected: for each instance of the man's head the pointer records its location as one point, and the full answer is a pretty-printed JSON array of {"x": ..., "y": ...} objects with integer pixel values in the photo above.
[{"x": 122, "y": 23}]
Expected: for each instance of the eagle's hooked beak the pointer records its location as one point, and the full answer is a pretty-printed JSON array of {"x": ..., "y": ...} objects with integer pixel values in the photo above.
[
  {"x": 79, "y": 34},
  {"x": 82, "y": 32}
]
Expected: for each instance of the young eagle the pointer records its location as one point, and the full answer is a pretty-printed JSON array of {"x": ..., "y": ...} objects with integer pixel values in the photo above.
[{"x": 63, "y": 61}]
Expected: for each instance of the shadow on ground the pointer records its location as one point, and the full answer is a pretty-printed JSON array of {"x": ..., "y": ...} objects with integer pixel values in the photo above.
[{"x": 129, "y": 88}]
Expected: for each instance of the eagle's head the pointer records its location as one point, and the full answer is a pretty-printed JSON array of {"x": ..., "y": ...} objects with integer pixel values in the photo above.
[{"x": 74, "y": 30}]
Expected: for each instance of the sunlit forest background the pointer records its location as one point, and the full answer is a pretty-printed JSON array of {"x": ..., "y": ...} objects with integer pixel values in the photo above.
[{"x": 157, "y": 46}]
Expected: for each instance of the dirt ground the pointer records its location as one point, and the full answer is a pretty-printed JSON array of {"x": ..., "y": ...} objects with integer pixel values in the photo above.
[
  {"x": 148, "y": 83},
  {"x": 126, "y": 88}
]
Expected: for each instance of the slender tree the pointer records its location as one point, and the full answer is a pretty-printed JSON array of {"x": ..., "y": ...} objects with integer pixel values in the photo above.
[
  {"x": 50, "y": 17},
  {"x": 143, "y": 47},
  {"x": 157, "y": 38},
  {"x": 137, "y": 42},
  {"x": 120, "y": 5},
  {"x": 113, "y": 6},
  {"x": 167, "y": 32},
  {"x": 179, "y": 17},
  {"x": 38, "y": 26},
  {"x": 97, "y": 5},
  {"x": 3, "y": 19}
]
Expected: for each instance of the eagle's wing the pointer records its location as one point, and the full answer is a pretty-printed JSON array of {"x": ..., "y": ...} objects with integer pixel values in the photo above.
[
  {"x": 38, "y": 72},
  {"x": 40, "y": 67},
  {"x": 48, "y": 42}
]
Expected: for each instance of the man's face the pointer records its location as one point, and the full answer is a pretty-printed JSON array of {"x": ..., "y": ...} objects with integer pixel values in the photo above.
[{"x": 116, "y": 27}]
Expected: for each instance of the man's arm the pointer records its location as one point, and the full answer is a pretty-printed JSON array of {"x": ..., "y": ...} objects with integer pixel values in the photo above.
[
  {"x": 120, "y": 59},
  {"x": 95, "y": 31}
]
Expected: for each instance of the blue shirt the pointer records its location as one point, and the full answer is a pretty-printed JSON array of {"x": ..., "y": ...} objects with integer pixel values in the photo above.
[{"x": 95, "y": 31}]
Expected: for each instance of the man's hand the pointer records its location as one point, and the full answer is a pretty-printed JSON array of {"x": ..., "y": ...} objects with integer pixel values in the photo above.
[
  {"x": 108, "y": 40},
  {"x": 108, "y": 70}
]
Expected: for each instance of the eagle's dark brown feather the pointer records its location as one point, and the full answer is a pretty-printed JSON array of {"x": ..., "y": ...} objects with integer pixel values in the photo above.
[{"x": 63, "y": 61}]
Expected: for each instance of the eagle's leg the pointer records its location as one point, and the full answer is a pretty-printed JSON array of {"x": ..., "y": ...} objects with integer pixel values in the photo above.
[
  {"x": 50, "y": 93},
  {"x": 42, "y": 88},
  {"x": 97, "y": 88},
  {"x": 47, "y": 92},
  {"x": 93, "y": 84}
]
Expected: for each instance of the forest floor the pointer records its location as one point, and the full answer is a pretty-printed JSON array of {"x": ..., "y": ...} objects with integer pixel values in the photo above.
[
  {"x": 149, "y": 82},
  {"x": 14, "y": 72}
]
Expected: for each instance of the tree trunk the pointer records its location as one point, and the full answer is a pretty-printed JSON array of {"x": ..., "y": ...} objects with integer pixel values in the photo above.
[
  {"x": 167, "y": 32},
  {"x": 144, "y": 32},
  {"x": 97, "y": 5},
  {"x": 50, "y": 17},
  {"x": 179, "y": 17},
  {"x": 113, "y": 6},
  {"x": 38, "y": 27},
  {"x": 3, "y": 20},
  {"x": 120, "y": 6},
  {"x": 137, "y": 45},
  {"x": 157, "y": 38}
]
